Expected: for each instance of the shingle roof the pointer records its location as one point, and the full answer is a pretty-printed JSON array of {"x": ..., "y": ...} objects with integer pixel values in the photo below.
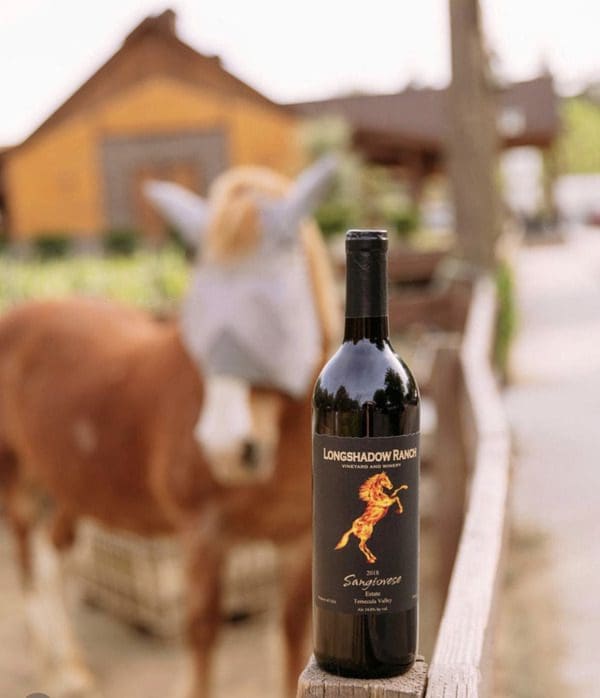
[
  {"x": 153, "y": 47},
  {"x": 418, "y": 116}
]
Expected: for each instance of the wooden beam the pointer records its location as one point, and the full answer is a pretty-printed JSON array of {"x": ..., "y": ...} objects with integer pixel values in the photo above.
[
  {"x": 472, "y": 138},
  {"x": 316, "y": 683}
]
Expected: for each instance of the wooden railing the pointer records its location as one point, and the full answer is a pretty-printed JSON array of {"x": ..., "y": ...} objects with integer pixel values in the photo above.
[
  {"x": 471, "y": 472},
  {"x": 461, "y": 662}
]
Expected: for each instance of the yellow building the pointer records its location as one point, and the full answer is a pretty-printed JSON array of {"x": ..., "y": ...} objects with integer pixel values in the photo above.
[{"x": 157, "y": 108}]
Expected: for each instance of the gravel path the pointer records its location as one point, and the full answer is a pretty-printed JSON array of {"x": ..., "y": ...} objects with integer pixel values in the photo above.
[{"x": 554, "y": 408}]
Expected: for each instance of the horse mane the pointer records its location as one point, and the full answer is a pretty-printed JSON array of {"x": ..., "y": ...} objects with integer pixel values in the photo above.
[
  {"x": 234, "y": 230},
  {"x": 365, "y": 490}
]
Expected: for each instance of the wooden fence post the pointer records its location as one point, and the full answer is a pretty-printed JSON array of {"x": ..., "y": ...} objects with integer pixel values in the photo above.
[{"x": 472, "y": 138}]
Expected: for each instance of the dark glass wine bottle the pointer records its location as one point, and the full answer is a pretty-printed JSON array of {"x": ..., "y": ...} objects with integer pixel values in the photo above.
[{"x": 365, "y": 485}]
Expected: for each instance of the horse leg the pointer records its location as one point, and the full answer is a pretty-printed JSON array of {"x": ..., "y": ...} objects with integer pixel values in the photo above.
[
  {"x": 205, "y": 555},
  {"x": 297, "y": 585},
  {"x": 365, "y": 551},
  {"x": 62, "y": 666},
  {"x": 20, "y": 513}
]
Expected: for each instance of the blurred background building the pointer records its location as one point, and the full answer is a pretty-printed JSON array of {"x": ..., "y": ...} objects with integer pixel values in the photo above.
[
  {"x": 156, "y": 109},
  {"x": 160, "y": 109},
  {"x": 408, "y": 131}
]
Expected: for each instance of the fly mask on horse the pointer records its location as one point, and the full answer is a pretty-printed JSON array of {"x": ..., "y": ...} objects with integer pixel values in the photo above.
[{"x": 250, "y": 320}]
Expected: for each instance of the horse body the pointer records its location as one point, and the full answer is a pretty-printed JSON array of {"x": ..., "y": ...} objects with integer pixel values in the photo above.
[
  {"x": 115, "y": 442},
  {"x": 84, "y": 389},
  {"x": 378, "y": 504},
  {"x": 99, "y": 406}
]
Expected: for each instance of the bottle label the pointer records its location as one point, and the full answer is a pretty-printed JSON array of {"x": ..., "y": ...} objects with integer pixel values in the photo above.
[{"x": 366, "y": 523}]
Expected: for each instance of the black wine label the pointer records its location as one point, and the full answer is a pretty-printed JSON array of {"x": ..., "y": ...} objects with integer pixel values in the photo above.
[{"x": 366, "y": 523}]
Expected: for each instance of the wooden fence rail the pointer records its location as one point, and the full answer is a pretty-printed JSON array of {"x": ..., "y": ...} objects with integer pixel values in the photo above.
[
  {"x": 461, "y": 663},
  {"x": 472, "y": 477}
]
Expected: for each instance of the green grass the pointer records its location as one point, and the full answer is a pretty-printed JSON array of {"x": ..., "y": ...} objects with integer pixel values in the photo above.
[
  {"x": 152, "y": 280},
  {"x": 579, "y": 144},
  {"x": 506, "y": 323}
]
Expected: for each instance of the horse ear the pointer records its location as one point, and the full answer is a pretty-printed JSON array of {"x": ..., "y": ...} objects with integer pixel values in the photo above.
[
  {"x": 311, "y": 186},
  {"x": 281, "y": 219},
  {"x": 182, "y": 208}
]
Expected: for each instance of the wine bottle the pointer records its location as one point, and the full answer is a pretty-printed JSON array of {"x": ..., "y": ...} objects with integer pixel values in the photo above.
[{"x": 365, "y": 485}]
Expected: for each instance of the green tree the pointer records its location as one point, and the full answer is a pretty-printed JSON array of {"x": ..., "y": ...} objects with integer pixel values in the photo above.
[
  {"x": 363, "y": 195},
  {"x": 579, "y": 143}
]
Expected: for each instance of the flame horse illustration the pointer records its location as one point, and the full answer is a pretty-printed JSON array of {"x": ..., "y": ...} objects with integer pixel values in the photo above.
[{"x": 378, "y": 504}]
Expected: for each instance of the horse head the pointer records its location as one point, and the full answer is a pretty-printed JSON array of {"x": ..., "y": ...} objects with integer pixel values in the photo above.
[
  {"x": 384, "y": 481},
  {"x": 380, "y": 482},
  {"x": 250, "y": 320}
]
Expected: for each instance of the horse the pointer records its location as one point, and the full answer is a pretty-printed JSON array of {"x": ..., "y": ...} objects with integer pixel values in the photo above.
[
  {"x": 378, "y": 503},
  {"x": 197, "y": 426}
]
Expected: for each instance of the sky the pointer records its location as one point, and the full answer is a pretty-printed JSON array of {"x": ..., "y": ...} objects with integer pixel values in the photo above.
[{"x": 291, "y": 51}]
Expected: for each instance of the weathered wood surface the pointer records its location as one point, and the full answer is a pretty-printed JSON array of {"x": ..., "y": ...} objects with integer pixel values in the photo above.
[
  {"x": 316, "y": 683},
  {"x": 460, "y": 664}
]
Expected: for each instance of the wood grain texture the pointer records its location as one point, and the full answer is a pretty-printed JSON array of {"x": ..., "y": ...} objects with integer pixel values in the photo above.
[
  {"x": 316, "y": 683},
  {"x": 460, "y": 665}
]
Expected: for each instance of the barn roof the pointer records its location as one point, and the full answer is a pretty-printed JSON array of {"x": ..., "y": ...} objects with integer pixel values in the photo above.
[
  {"x": 153, "y": 47},
  {"x": 528, "y": 114}
]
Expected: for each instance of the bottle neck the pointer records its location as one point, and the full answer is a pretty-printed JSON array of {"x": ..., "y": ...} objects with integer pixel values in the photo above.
[
  {"x": 366, "y": 295},
  {"x": 375, "y": 329}
]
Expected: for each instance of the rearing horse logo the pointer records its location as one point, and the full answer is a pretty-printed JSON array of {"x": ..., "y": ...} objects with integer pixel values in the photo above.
[{"x": 378, "y": 503}]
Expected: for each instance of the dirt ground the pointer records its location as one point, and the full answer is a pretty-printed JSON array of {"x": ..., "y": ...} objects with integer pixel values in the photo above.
[
  {"x": 128, "y": 663},
  {"x": 529, "y": 650}
]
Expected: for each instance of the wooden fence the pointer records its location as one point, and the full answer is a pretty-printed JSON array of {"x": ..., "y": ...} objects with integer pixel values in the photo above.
[{"x": 471, "y": 465}]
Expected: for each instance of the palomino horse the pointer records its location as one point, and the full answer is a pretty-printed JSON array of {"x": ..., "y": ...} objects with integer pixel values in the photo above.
[
  {"x": 378, "y": 504},
  {"x": 152, "y": 426}
]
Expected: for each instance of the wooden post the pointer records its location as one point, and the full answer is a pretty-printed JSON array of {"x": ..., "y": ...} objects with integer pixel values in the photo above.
[
  {"x": 315, "y": 683},
  {"x": 472, "y": 142}
]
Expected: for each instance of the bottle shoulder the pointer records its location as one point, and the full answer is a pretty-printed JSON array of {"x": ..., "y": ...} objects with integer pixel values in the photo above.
[{"x": 365, "y": 370}]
